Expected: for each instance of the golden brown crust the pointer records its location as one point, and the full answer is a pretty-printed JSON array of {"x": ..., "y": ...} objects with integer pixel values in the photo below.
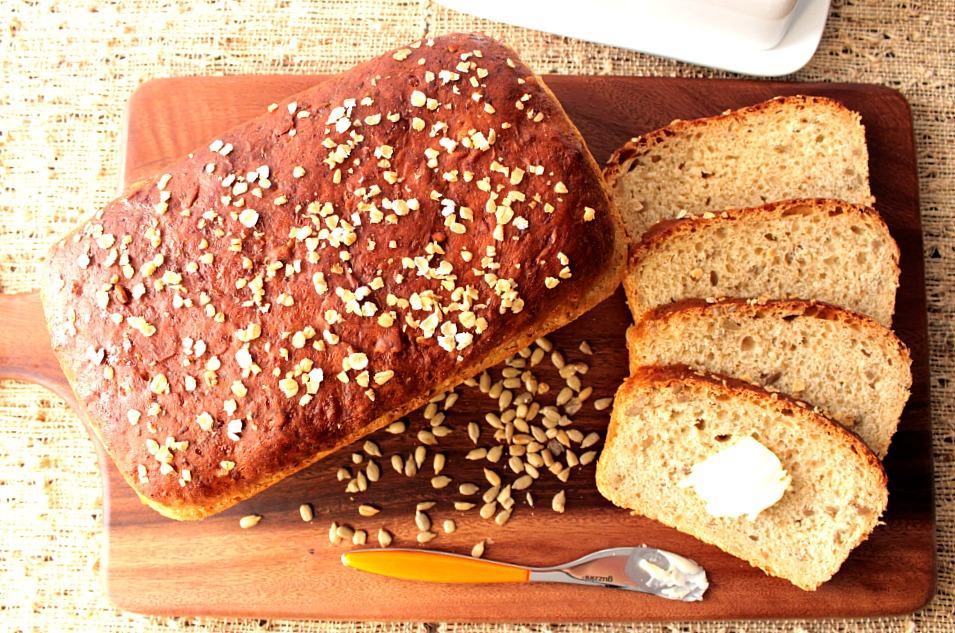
[
  {"x": 623, "y": 157},
  {"x": 376, "y": 181}
]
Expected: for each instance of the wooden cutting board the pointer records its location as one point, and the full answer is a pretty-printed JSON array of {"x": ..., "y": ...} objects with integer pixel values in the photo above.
[{"x": 285, "y": 567}]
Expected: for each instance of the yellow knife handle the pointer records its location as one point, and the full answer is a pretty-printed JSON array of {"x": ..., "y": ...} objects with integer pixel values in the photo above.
[{"x": 432, "y": 566}]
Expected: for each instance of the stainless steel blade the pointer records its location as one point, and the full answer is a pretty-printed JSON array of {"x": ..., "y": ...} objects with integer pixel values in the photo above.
[{"x": 644, "y": 569}]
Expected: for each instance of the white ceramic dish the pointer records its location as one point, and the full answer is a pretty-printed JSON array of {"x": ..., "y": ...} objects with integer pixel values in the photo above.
[{"x": 755, "y": 37}]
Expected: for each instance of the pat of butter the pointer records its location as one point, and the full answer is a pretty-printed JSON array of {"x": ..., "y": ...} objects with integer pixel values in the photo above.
[{"x": 744, "y": 478}]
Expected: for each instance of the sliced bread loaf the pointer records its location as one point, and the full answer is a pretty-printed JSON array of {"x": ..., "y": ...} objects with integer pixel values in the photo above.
[
  {"x": 667, "y": 420},
  {"x": 789, "y": 147},
  {"x": 825, "y": 250},
  {"x": 848, "y": 366}
]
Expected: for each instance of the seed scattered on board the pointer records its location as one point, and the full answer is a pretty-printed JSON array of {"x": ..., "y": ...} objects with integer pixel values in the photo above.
[
  {"x": 249, "y": 521},
  {"x": 525, "y": 436}
]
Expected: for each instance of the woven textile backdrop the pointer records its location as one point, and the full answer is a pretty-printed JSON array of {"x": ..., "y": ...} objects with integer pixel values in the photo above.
[{"x": 68, "y": 69}]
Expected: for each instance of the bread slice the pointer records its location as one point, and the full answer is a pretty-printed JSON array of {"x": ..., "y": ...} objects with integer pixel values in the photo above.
[
  {"x": 668, "y": 419},
  {"x": 848, "y": 366},
  {"x": 826, "y": 250},
  {"x": 789, "y": 147}
]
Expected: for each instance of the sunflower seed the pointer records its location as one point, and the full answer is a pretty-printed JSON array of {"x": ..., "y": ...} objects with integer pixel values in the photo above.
[
  {"x": 544, "y": 344},
  {"x": 574, "y": 406},
  {"x": 533, "y": 459},
  {"x": 575, "y": 435},
  {"x": 360, "y": 537},
  {"x": 426, "y": 537},
  {"x": 450, "y": 400},
  {"x": 427, "y": 437},
  {"x": 510, "y": 372},
  {"x": 517, "y": 450},
  {"x": 572, "y": 459},
  {"x": 467, "y": 489},
  {"x": 474, "y": 432},
  {"x": 357, "y": 458},
  {"x": 502, "y": 517},
  {"x": 494, "y": 420},
  {"x": 491, "y": 493},
  {"x": 557, "y": 359},
  {"x": 352, "y": 487},
  {"x": 342, "y": 474},
  {"x": 438, "y": 397},
  {"x": 567, "y": 371},
  {"x": 492, "y": 477},
  {"x": 476, "y": 453},
  {"x": 585, "y": 348},
  {"x": 504, "y": 494},
  {"x": 437, "y": 420},
  {"x": 372, "y": 471},
  {"x": 424, "y": 506},
  {"x": 420, "y": 452},
  {"x": 488, "y": 510},
  {"x": 537, "y": 356},
  {"x": 463, "y": 506},
  {"x": 441, "y": 431},
  {"x": 439, "y": 482},
  {"x": 512, "y": 383},
  {"x": 522, "y": 482},
  {"x": 362, "y": 482},
  {"x": 495, "y": 390},
  {"x": 478, "y": 550},
  {"x": 449, "y": 526},
  {"x": 411, "y": 469},
  {"x": 431, "y": 410},
  {"x": 494, "y": 454},
  {"x": 591, "y": 439},
  {"x": 564, "y": 475},
  {"x": 585, "y": 393},
  {"x": 249, "y": 521},
  {"x": 516, "y": 465},
  {"x": 305, "y": 511},
  {"x": 371, "y": 448},
  {"x": 366, "y": 510},
  {"x": 531, "y": 469},
  {"x": 333, "y": 533},
  {"x": 563, "y": 397},
  {"x": 384, "y": 537},
  {"x": 344, "y": 532},
  {"x": 471, "y": 382},
  {"x": 396, "y": 428},
  {"x": 602, "y": 403},
  {"x": 484, "y": 382},
  {"x": 505, "y": 399},
  {"x": 557, "y": 503},
  {"x": 397, "y": 464},
  {"x": 587, "y": 457},
  {"x": 439, "y": 461},
  {"x": 422, "y": 520}
]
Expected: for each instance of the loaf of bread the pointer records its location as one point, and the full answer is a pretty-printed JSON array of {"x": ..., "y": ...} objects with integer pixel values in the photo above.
[
  {"x": 847, "y": 366},
  {"x": 824, "y": 250},
  {"x": 788, "y": 147},
  {"x": 668, "y": 420},
  {"x": 312, "y": 275}
]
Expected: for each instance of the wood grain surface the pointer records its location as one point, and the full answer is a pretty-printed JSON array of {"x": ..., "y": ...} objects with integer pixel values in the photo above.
[{"x": 285, "y": 567}]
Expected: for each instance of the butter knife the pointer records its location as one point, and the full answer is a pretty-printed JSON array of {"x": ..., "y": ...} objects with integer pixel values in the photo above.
[{"x": 644, "y": 569}]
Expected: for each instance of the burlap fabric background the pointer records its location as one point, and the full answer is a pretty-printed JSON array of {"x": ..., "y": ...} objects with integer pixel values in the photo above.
[{"x": 67, "y": 70}]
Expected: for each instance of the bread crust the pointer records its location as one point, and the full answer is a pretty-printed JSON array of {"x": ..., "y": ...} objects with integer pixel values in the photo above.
[
  {"x": 279, "y": 435},
  {"x": 658, "y": 377}
]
